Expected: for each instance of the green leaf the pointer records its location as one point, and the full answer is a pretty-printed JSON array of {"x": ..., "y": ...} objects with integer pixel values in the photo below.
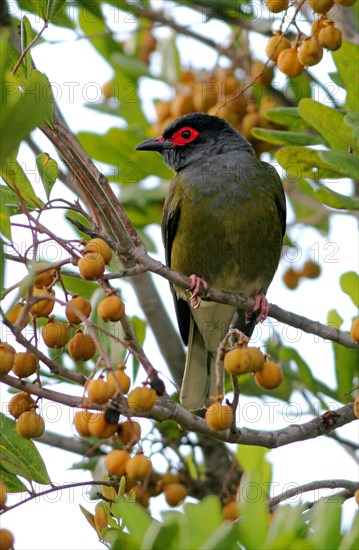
[
  {"x": 253, "y": 458},
  {"x": 337, "y": 79},
  {"x": 26, "y": 36},
  {"x": 350, "y": 540},
  {"x": 305, "y": 374},
  {"x": 20, "y": 455},
  {"x": 253, "y": 510},
  {"x": 139, "y": 327},
  {"x": 287, "y": 116},
  {"x": 5, "y": 226},
  {"x": 349, "y": 163},
  {"x": 34, "y": 6},
  {"x": 170, "y": 60},
  {"x": 12, "y": 482},
  {"x": 89, "y": 516},
  {"x": 325, "y": 524},
  {"x": 334, "y": 319},
  {"x": 287, "y": 523},
  {"x": 336, "y": 200},
  {"x": 17, "y": 180},
  {"x": 48, "y": 170},
  {"x": 351, "y": 119},
  {"x": 203, "y": 519},
  {"x": 23, "y": 111},
  {"x": 349, "y": 283},
  {"x": 79, "y": 286},
  {"x": 298, "y": 87},
  {"x": 280, "y": 137},
  {"x": 225, "y": 536},
  {"x": 346, "y": 60},
  {"x": 346, "y": 370},
  {"x": 134, "y": 517},
  {"x": 162, "y": 536},
  {"x": 328, "y": 122},
  {"x": 301, "y": 162},
  {"x": 54, "y": 7}
]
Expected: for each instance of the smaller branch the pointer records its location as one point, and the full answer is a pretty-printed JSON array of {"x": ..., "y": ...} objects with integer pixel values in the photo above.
[
  {"x": 70, "y": 444},
  {"x": 59, "y": 488},
  {"x": 350, "y": 486},
  {"x": 36, "y": 37}
]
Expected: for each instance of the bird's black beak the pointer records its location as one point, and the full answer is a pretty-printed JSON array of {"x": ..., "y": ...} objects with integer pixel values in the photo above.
[{"x": 154, "y": 144}]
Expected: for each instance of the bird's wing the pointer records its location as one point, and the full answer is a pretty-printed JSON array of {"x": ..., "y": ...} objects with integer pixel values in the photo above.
[
  {"x": 279, "y": 196},
  {"x": 170, "y": 218}
]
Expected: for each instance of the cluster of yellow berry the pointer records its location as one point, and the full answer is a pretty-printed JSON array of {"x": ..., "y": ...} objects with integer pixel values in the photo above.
[
  {"x": 291, "y": 277},
  {"x": 305, "y": 51}
]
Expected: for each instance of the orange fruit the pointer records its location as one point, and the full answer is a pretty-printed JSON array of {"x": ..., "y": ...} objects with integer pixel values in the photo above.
[
  {"x": 129, "y": 432},
  {"x": 270, "y": 376},
  {"x": 80, "y": 303},
  {"x": 30, "y": 425},
  {"x": 98, "y": 391},
  {"x": 276, "y": 44},
  {"x": 82, "y": 346},
  {"x": 25, "y": 364},
  {"x": 81, "y": 422},
  {"x": 289, "y": 64},
  {"x": 321, "y": 6},
  {"x": 230, "y": 511},
  {"x": 330, "y": 37},
  {"x": 310, "y": 52},
  {"x": 354, "y": 330},
  {"x": 20, "y": 403},
  {"x": 291, "y": 278},
  {"x": 138, "y": 467},
  {"x": 356, "y": 496},
  {"x": 237, "y": 361},
  {"x": 7, "y": 356},
  {"x": 142, "y": 399},
  {"x": 219, "y": 417},
  {"x": 98, "y": 427},
  {"x": 91, "y": 266},
  {"x": 13, "y": 315},
  {"x": 175, "y": 493},
  {"x": 276, "y": 6},
  {"x": 46, "y": 278},
  {"x": 119, "y": 376},
  {"x": 115, "y": 462},
  {"x": 42, "y": 308},
  {"x": 256, "y": 358},
  {"x": 356, "y": 407},
  {"x": 3, "y": 495},
  {"x": 55, "y": 334},
  {"x": 99, "y": 246},
  {"x": 311, "y": 270},
  {"x": 6, "y": 539},
  {"x": 111, "y": 308}
]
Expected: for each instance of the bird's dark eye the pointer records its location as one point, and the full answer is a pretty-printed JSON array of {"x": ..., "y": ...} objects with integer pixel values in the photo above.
[{"x": 186, "y": 134}]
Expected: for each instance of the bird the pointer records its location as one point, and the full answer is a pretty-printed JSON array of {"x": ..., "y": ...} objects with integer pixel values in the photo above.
[{"x": 223, "y": 224}]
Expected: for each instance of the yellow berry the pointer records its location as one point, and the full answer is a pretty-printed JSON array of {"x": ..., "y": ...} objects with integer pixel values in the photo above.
[
  {"x": 310, "y": 52},
  {"x": 80, "y": 303},
  {"x": 330, "y": 37},
  {"x": 115, "y": 462},
  {"x": 289, "y": 64},
  {"x": 219, "y": 417},
  {"x": 6, "y": 539},
  {"x": 138, "y": 467},
  {"x": 119, "y": 376},
  {"x": 230, "y": 511},
  {"x": 3, "y": 495},
  {"x": 356, "y": 496},
  {"x": 20, "y": 403},
  {"x": 7, "y": 356},
  {"x": 100, "y": 518},
  {"x": 25, "y": 364},
  {"x": 356, "y": 407},
  {"x": 276, "y": 44},
  {"x": 276, "y": 6},
  {"x": 237, "y": 361},
  {"x": 129, "y": 432},
  {"x": 142, "y": 399},
  {"x": 55, "y": 334},
  {"x": 175, "y": 493},
  {"x": 81, "y": 422},
  {"x": 98, "y": 427},
  {"x": 111, "y": 308},
  {"x": 46, "y": 278},
  {"x": 311, "y": 270},
  {"x": 354, "y": 331},
  {"x": 291, "y": 278},
  {"x": 30, "y": 425},
  {"x": 91, "y": 266},
  {"x": 13, "y": 315},
  {"x": 42, "y": 308},
  {"x": 98, "y": 391},
  {"x": 99, "y": 246},
  {"x": 82, "y": 346},
  {"x": 269, "y": 376},
  {"x": 321, "y": 6}
]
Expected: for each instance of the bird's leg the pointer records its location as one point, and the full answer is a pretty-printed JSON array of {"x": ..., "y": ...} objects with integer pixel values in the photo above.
[
  {"x": 197, "y": 285},
  {"x": 262, "y": 306}
]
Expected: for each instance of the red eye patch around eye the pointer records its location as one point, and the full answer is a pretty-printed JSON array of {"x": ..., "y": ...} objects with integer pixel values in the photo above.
[{"x": 184, "y": 135}]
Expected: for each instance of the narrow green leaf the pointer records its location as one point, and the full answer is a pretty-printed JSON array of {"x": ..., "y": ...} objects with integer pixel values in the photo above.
[
  {"x": 305, "y": 374},
  {"x": 12, "y": 482},
  {"x": 5, "y": 226},
  {"x": 26, "y": 35},
  {"x": 349, "y": 163},
  {"x": 16, "y": 179},
  {"x": 134, "y": 517},
  {"x": 53, "y": 9},
  {"x": 301, "y": 162},
  {"x": 325, "y": 524},
  {"x": 346, "y": 60},
  {"x": 225, "y": 536},
  {"x": 334, "y": 319},
  {"x": 328, "y": 122},
  {"x": 254, "y": 511},
  {"x": 162, "y": 536},
  {"x": 349, "y": 283},
  {"x": 346, "y": 370},
  {"x": 48, "y": 170},
  {"x": 21, "y": 453},
  {"x": 89, "y": 516},
  {"x": 350, "y": 540},
  {"x": 287, "y": 523},
  {"x": 34, "y": 6},
  {"x": 336, "y": 200},
  {"x": 281, "y": 137},
  {"x": 170, "y": 60},
  {"x": 2, "y": 264},
  {"x": 287, "y": 116},
  {"x": 203, "y": 519}
]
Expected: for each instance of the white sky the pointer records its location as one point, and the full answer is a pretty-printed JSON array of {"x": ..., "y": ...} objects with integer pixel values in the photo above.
[{"x": 61, "y": 526}]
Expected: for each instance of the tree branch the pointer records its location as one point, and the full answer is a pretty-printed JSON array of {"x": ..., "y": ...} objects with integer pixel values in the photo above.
[{"x": 350, "y": 486}]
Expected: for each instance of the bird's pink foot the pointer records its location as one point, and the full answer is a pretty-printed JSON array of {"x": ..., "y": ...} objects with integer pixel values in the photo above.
[
  {"x": 261, "y": 305},
  {"x": 197, "y": 285}
]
